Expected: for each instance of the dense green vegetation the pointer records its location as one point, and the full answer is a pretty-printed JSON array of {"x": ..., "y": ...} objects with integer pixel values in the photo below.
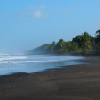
[{"x": 84, "y": 44}]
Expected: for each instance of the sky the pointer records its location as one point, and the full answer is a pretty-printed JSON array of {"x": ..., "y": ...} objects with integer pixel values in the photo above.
[{"x": 27, "y": 24}]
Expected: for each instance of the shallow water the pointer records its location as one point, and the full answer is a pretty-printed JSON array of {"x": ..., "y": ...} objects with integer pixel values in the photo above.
[{"x": 34, "y": 63}]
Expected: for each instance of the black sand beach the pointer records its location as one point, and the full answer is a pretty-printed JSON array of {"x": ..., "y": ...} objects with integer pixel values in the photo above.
[{"x": 75, "y": 82}]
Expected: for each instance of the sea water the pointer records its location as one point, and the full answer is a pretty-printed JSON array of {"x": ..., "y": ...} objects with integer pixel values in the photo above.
[{"x": 13, "y": 63}]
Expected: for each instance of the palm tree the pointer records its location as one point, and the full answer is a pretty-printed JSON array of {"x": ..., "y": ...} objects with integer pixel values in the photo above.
[
  {"x": 97, "y": 39},
  {"x": 85, "y": 41}
]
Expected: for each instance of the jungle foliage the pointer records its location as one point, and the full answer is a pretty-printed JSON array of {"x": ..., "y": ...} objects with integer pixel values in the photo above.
[{"x": 81, "y": 44}]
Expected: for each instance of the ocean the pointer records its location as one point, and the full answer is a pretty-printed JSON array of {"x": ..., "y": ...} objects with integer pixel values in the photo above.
[{"x": 13, "y": 63}]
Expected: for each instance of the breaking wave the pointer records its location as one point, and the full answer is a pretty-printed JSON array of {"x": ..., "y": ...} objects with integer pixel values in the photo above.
[{"x": 10, "y": 63}]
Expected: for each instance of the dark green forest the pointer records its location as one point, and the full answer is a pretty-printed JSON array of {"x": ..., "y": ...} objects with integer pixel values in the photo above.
[{"x": 83, "y": 44}]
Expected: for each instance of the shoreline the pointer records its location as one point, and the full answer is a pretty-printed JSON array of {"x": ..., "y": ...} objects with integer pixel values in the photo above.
[
  {"x": 36, "y": 65},
  {"x": 80, "y": 82}
]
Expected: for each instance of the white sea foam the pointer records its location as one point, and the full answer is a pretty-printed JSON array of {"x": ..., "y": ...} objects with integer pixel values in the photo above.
[
  {"x": 4, "y": 54},
  {"x": 6, "y": 57},
  {"x": 28, "y": 61},
  {"x": 33, "y": 63}
]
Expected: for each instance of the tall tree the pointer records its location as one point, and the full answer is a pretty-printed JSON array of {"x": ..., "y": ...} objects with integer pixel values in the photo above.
[
  {"x": 85, "y": 41},
  {"x": 82, "y": 40},
  {"x": 77, "y": 39},
  {"x": 97, "y": 39}
]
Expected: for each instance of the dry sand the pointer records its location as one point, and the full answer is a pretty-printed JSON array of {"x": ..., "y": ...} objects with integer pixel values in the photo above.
[{"x": 75, "y": 82}]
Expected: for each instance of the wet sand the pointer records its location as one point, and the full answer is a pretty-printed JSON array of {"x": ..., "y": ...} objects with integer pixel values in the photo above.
[{"x": 74, "y": 82}]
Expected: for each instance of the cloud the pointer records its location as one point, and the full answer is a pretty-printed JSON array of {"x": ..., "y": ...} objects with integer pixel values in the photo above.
[
  {"x": 64, "y": 11},
  {"x": 33, "y": 12},
  {"x": 68, "y": 10},
  {"x": 39, "y": 12}
]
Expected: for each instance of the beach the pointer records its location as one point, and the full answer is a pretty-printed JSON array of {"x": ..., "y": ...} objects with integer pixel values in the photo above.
[{"x": 73, "y": 82}]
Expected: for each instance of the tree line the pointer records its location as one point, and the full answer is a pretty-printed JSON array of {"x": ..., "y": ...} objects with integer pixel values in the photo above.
[{"x": 81, "y": 44}]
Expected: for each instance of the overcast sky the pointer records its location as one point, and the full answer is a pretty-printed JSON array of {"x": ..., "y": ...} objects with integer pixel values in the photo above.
[{"x": 27, "y": 24}]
